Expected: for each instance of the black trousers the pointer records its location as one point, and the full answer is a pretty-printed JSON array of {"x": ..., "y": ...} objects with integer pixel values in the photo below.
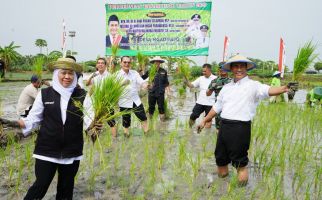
[
  {"x": 45, "y": 172},
  {"x": 233, "y": 143},
  {"x": 138, "y": 111},
  {"x": 198, "y": 109},
  {"x": 152, "y": 99}
]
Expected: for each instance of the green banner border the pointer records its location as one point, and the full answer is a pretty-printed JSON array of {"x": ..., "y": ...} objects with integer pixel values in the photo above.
[
  {"x": 177, "y": 53},
  {"x": 208, "y": 7}
]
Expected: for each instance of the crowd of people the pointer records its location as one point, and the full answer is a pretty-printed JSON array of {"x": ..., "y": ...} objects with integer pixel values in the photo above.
[{"x": 59, "y": 143}]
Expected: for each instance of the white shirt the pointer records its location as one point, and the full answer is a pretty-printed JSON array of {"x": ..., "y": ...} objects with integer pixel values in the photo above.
[
  {"x": 132, "y": 90},
  {"x": 202, "y": 42},
  {"x": 34, "y": 118},
  {"x": 26, "y": 98},
  {"x": 238, "y": 100},
  {"x": 99, "y": 77},
  {"x": 203, "y": 83},
  {"x": 193, "y": 30},
  {"x": 80, "y": 82}
]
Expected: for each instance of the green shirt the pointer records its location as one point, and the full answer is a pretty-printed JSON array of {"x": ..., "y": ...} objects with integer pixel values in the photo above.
[
  {"x": 276, "y": 82},
  {"x": 218, "y": 83}
]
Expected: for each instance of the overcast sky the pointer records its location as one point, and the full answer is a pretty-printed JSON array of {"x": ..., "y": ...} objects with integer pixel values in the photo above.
[{"x": 254, "y": 26}]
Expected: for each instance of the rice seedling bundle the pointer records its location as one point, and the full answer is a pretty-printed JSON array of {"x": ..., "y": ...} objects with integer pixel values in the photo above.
[
  {"x": 37, "y": 66},
  {"x": 305, "y": 57},
  {"x": 105, "y": 97},
  {"x": 114, "y": 49},
  {"x": 184, "y": 69},
  {"x": 152, "y": 72},
  {"x": 142, "y": 60}
]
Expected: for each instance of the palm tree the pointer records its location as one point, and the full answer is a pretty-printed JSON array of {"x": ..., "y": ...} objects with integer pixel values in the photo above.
[
  {"x": 305, "y": 57},
  {"x": 54, "y": 55},
  {"x": 41, "y": 43},
  {"x": 8, "y": 54}
]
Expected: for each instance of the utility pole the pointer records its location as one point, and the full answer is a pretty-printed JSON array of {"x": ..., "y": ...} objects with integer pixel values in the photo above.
[{"x": 72, "y": 34}]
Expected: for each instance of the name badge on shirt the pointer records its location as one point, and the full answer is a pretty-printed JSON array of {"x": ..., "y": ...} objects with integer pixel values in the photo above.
[{"x": 49, "y": 102}]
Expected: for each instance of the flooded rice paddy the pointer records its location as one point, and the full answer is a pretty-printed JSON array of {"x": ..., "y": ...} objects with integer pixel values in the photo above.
[{"x": 174, "y": 162}]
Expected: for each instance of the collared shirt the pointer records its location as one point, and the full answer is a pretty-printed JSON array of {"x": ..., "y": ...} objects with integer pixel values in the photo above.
[
  {"x": 26, "y": 98},
  {"x": 193, "y": 30},
  {"x": 132, "y": 90},
  {"x": 202, "y": 42},
  {"x": 238, "y": 100},
  {"x": 99, "y": 77},
  {"x": 35, "y": 117},
  {"x": 202, "y": 82}
]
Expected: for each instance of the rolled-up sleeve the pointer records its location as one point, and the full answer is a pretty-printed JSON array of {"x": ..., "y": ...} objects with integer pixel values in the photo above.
[
  {"x": 219, "y": 103},
  {"x": 139, "y": 79},
  {"x": 196, "y": 83},
  {"x": 262, "y": 91},
  {"x": 35, "y": 116}
]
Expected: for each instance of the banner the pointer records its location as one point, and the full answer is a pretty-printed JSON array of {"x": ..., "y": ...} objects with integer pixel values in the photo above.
[
  {"x": 164, "y": 29},
  {"x": 281, "y": 60},
  {"x": 226, "y": 43}
]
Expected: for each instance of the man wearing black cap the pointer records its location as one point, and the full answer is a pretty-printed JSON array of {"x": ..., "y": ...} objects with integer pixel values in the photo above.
[
  {"x": 114, "y": 38},
  {"x": 28, "y": 96},
  {"x": 203, "y": 40},
  {"x": 193, "y": 30}
]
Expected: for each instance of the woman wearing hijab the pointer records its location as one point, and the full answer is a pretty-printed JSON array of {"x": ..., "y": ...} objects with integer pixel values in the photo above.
[{"x": 59, "y": 143}]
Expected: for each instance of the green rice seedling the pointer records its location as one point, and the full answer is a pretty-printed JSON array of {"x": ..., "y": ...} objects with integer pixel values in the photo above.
[
  {"x": 181, "y": 91},
  {"x": 37, "y": 67},
  {"x": 116, "y": 160},
  {"x": 143, "y": 60},
  {"x": 172, "y": 136},
  {"x": 160, "y": 154},
  {"x": 20, "y": 171},
  {"x": 182, "y": 155},
  {"x": 195, "y": 164},
  {"x": 304, "y": 58},
  {"x": 152, "y": 72},
  {"x": 233, "y": 184},
  {"x": 114, "y": 51},
  {"x": 167, "y": 110},
  {"x": 184, "y": 68},
  {"x": 104, "y": 100}
]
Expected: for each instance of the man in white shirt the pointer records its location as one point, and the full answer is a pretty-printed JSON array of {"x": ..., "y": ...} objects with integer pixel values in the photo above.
[
  {"x": 237, "y": 102},
  {"x": 193, "y": 28},
  {"x": 204, "y": 103},
  {"x": 28, "y": 96},
  {"x": 203, "y": 40},
  {"x": 131, "y": 100},
  {"x": 100, "y": 74},
  {"x": 95, "y": 79}
]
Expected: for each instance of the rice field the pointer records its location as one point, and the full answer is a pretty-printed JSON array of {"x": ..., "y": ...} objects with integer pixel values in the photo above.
[{"x": 174, "y": 162}]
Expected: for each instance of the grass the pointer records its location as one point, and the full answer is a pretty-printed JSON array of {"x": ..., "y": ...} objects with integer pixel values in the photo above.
[{"x": 176, "y": 163}]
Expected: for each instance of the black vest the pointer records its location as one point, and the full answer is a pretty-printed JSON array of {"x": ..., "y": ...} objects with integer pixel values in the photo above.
[{"x": 56, "y": 139}]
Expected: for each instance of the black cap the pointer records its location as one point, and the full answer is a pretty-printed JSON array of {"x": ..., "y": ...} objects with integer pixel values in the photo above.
[
  {"x": 196, "y": 16},
  {"x": 204, "y": 27},
  {"x": 113, "y": 18},
  {"x": 34, "y": 78}
]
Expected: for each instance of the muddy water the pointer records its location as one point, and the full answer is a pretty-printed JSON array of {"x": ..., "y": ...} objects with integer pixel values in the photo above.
[{"x": 181, "y": 108}]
